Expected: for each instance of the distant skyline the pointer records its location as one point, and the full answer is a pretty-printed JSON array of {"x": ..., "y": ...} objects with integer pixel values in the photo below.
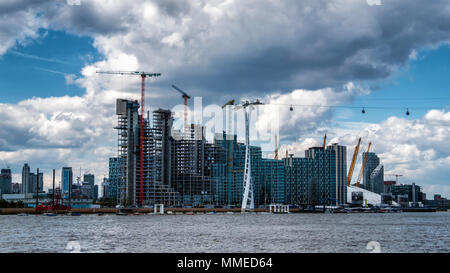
[{"x": 56, "y": 111}]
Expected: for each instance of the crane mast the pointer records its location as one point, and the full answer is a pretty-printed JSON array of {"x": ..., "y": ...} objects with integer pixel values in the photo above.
[
  {"x": 185, "y": 97},
  {"x": 276, "y": 147},
  {"x": 363, "y": 165},
  {"x": 325, "y": 142},
  {"x": 352, "y": 166},
  {"x": 143, "y": 76}
]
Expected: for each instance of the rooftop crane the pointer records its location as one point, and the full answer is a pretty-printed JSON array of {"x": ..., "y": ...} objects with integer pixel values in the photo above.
[
  {"x": 143, "y": 75},
  {"x": 396, "y": 176},
  {"x": 366, "y": 155},
  {"x": 6, "y": 164},
  {"x": 186, "y": 97},
  {"x": 325, "y": 141},
  {"x": 229, "y": 103},
  {"x": 352, "y": 166}
]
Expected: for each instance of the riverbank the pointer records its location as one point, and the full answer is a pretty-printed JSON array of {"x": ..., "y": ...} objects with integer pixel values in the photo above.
[{"x": 14, "y": 211}]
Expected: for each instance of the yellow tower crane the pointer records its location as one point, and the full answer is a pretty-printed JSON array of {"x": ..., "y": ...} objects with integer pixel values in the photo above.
[
  {"x": 363, "y": 165},
  {"x": 352, "y": 166}
]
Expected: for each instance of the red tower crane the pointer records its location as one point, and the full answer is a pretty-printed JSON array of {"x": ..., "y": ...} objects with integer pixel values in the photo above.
[{"x": 143, "y": 75}]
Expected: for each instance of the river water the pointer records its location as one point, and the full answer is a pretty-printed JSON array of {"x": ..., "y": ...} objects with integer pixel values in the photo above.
[{"x": 293, "y": 233}]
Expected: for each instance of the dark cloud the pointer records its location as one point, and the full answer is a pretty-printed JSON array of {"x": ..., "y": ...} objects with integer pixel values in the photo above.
[
  {"x": 259, "y": 47},
  {"x": 91, "y": 19},
  {"x": 173, "y": 8},
  {"x": 255, "y": 46},
  {"x": 8, "y": 7}
]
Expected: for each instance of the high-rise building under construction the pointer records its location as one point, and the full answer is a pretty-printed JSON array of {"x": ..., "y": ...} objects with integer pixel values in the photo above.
[
  {"x": 180, "y": 168},
  {"x": 156, "y": 145}
]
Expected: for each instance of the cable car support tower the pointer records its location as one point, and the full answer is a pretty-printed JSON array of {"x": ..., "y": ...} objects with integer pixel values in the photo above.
[{"x": 248, "y": 200}]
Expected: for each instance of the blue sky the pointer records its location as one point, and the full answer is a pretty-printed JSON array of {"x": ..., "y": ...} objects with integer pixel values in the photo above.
[
  {"x": 37, "y": 68},
  {"x": 421, "y": 85}
]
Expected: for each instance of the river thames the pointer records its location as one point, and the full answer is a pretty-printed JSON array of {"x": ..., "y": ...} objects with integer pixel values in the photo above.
[{"x": 236, "y": 233}]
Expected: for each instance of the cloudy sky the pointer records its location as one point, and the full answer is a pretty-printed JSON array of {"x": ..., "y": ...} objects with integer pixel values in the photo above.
[{"x": 386, "y": 55}]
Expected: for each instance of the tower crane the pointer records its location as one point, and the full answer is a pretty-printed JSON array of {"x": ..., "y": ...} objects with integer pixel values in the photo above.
[
  {"x": 396, "y": 176},
  {"x": 352, "y": 166},
  {"x": 186, "y": 97},
  {"x": 229, "y": 103},
  {"x": 143, "y": 76},
  {"x": 363, "y": 165},
  {"x": 6, "y": 164}
]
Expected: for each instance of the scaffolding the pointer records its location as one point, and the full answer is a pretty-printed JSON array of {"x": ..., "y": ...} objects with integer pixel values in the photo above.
[
  {"x": 156, "y": 149},
  {"x": 127, "y": 139}
]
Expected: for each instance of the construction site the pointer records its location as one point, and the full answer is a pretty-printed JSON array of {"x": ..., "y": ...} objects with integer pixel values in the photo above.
[
  {"x": 179, "y": 168},
  {"x": 158, "y": 165}
]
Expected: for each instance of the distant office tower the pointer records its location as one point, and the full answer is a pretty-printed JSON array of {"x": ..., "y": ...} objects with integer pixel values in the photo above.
[
  {"x": 95, "y": 192},
  {"x": 115, "y": 176},
  {"x": 33, "y": 178},
  {"x": 105, "y": 188},
  {"x": 88, "y": 186},
  {"x": 16, "y": 188},
  {"x": 373, "y": 176},
  {"x": 388, "y": 186},
  {"x": 5, "y": 181},
  {"x": 340, "y": 169},
  {"x": 26, "y": 183},
  {"x": 67, "y": 181},
  {"x": 89, "y": 179}
]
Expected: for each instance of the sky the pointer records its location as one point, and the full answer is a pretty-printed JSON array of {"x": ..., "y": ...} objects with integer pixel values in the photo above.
[{"x": 386, "y": 56}]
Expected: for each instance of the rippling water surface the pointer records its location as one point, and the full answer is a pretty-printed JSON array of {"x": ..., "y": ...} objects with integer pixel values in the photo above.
[{"x": 402, "y": 232}]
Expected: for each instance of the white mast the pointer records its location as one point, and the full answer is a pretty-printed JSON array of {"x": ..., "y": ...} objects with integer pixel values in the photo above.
[{"x": 248, "y": 201}]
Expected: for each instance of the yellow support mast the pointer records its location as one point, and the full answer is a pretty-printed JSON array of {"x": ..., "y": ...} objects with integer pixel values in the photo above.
[
  {"x": 352, "y": 166},
  {"x": 276, "y": 147},
  {"x": 363, "y": 165}
]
